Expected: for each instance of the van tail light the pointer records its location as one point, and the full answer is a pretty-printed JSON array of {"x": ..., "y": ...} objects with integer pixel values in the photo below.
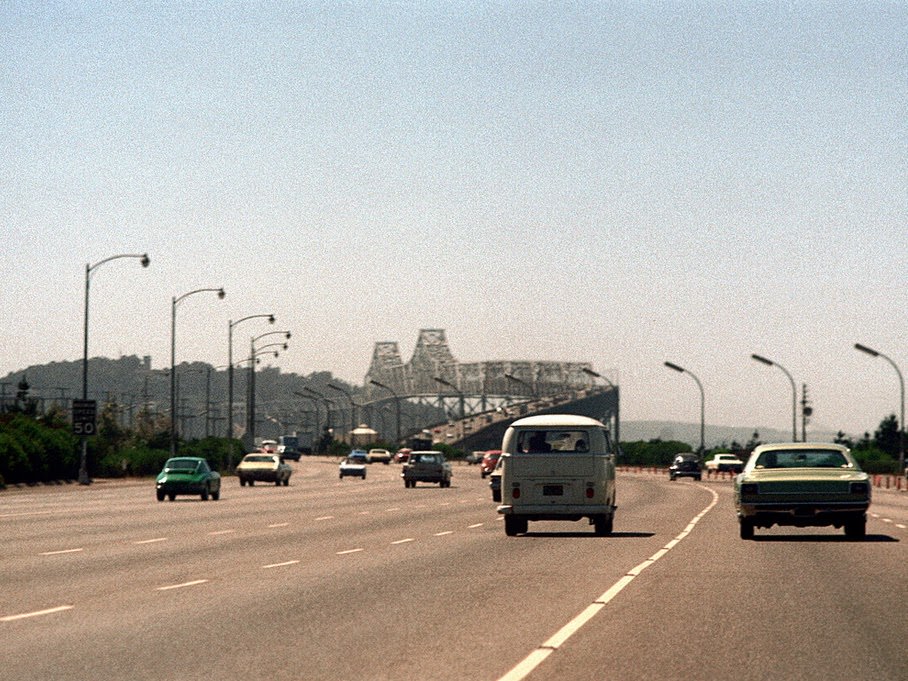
[
  {"x": 515, "y": 491},
  {"x": 590, "y": 491}
]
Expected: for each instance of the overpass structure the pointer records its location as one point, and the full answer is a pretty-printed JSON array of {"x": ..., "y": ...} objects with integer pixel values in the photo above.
[{"x": 481, "y": 399}]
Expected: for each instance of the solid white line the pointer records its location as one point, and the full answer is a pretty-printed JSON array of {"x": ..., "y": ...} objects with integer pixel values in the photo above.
[
  {"x": 403, "y": 541},
  {"x": 150, "y": 541},
  {"x": 180, "y": 586},
  {"x": 37, "y": 613},
  {"x": 274, "y": 565},
  {"x": 344, "y": 553},
  {"x": 536, "y": 657},
  {"x": 57, "y": 553}
]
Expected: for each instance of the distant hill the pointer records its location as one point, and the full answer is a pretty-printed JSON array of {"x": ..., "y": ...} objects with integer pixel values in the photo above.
[{"x": 632, "y": 431}]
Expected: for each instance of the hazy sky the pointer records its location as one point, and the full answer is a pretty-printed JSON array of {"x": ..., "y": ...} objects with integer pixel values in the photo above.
[{"x": 622, "y": 183}]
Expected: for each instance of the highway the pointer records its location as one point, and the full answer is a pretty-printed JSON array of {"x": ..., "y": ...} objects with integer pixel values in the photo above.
[{"x": 364, "y": 579}]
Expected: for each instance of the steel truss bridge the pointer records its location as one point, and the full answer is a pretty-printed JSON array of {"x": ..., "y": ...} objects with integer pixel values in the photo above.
[{"x": 481, "y": 399}]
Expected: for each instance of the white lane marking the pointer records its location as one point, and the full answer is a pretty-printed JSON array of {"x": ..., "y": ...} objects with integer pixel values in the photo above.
[
  {"x": 887, "y": 520},
  {"x": 37, "y": 613},
  {"x": 181, "y": 586},
  {"x": 325, "y": 517},
  {"x": 274, "y": 565},
  {"x": 442, "y": 534},
  {"x": 150, "y": 541},
  {"x": 391, "y": 510},
  {"x": 472, "y": 527},
  {"x": 403, "y": 541},
  {"x": 344, "y": 553},
  {"x": 57, "y": 553},
  {"x": 279, "y": 525},
  {"x": 900, "y": 526},
  {"x": 536, "y": 657},
  {"x": 212, "y": 534},
  {"x": 874, "y": 515}
]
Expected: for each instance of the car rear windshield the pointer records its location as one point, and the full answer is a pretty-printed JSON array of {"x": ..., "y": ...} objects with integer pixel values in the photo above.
[
  {"x": 802, "y": 458},
  {"x": 560, "y": 440},
  {"x": 260, "y": 459}
]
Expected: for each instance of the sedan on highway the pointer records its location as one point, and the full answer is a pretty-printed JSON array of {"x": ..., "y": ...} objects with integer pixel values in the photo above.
[
  {"x": 352, "y": 467},
  {"x": 802, "y": 485},
  {"x": 188, "y": 475},
  {"x": 263, "y": 468},
  {"x": 489, "y": 461}
]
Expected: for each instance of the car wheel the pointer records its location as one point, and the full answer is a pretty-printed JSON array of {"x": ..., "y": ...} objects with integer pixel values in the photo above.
[
  {"x": 602, "y": 525},
  {"x": 277, "y": 483},
  {"x": 171, "y": 496},
  {"x": 512, "y": 526},
  {"x": 216, "y": 495},
  {"x": 856, "y": 528},
  {"x": 250, "y": 482},
  {"x": 160, "y": 495},
  {"x": 287, "y": 481},
  {"x": 747, "y": 528},
  {"x": 496, "y": 496},
  {"x": 204, "y": 494}
]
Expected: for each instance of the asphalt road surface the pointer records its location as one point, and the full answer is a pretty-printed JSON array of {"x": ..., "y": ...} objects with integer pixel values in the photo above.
[{"x": 364, "y": 579}]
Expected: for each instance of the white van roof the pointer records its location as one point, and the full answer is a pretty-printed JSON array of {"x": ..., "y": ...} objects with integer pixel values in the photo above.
[{"x": 556, "y": 421}]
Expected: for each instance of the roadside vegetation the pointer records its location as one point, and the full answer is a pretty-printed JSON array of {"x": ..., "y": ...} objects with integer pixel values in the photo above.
[{"x": 42, "y": 448}]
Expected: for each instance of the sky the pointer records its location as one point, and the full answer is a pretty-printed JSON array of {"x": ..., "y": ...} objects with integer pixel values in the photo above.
[{"x": 621, "y": 183}]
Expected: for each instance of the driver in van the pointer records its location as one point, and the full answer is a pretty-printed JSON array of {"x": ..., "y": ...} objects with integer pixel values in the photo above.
[{"x": 537, "y": 443}]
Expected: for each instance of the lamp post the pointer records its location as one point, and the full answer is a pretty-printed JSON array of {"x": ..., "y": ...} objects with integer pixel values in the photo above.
[
  {"x": 874, "y": 353},
  {"x": 173, "y": 359},
  {"x": 270, "y": 318},
  {"x": 794, "y": 393},
  {"x": 439, "y": 379},
  {"x": 353, "y": 406},
  {"x": 315, "y": 404},
  {"x": 594, "y": 375},
  {"x": 396, "y": 406},
  {"x": 670, "y": 365},
  {"x": 145, "y": 260},
  {"x": 250, "y": 405},
  {"x": 328, "y": 404}
]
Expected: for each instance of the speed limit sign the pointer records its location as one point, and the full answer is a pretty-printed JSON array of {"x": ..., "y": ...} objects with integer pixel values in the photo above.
[{"x": 85, "y": 415}]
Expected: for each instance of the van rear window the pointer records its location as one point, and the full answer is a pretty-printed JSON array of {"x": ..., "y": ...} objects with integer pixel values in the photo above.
[{"x": 552, "y": 440}]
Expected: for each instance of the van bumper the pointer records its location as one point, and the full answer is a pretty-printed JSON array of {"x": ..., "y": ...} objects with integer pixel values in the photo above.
[{"x": 566, "y": 512}]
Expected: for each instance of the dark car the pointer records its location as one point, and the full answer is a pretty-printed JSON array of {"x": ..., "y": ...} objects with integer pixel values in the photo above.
[
  {"x": 685, "y": 465},
  {"x": 489, "y": 461},
  {"x": 188, "y": 475}
]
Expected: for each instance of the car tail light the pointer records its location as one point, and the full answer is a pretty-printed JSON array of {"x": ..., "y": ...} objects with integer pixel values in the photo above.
[
  {"x": 515, "y": 491},
  {"x": 859, "y": 488},
  {"x": 589, "y": 490},
  {"x": 749, "y": 488}
]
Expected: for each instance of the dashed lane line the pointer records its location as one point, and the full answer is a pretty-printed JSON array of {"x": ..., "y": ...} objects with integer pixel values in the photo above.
[
  {"x": 61, "y": 552},
  {"x": 36, "y": 613},
  {"x": 344, "y": 553},
  {"x": 151, "y": 541},
  {"x": 183, "y": 585},
  {"x": 284, "y": 564},
  {"x": 540, "y": 654},
  {"x": 403, "y": 541}
]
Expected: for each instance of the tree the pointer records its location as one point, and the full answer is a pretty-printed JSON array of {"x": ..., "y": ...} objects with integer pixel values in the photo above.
[{"x": 886, "y": 436}]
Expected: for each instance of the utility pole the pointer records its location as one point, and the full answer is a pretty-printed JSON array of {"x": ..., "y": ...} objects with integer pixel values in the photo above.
[{"x": 806, "y": 411}]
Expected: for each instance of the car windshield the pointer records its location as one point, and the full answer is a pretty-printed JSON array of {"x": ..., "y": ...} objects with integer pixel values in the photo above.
[
  {"x": 181, "y": 464},
  {"x": 802, "y": 458},
  {"x": 260, "y": 459}
]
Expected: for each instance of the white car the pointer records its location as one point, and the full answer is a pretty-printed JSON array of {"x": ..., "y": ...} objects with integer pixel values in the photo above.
[
  {"x": 352, "y": 467},
  {"x": 725, "y": 462}
]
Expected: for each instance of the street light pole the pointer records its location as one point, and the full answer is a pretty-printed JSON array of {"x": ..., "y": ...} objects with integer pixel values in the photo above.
[
  {"x": 328, "y": 404},
  {"x": 396, "y": 405},
  {"x": 270, "y": 318},
  {"x": 875, "y": 353},
  {"x": 145, "y": 260},
  {"x": 794, "y": 393},
  {"x": 439, "y": 379},
  {"x": 594, "y": 375},
  {"x": 173, "y": 360},
  {"x": 315, "y": 404},
  {"x": 352, "y": 407},
  {"x": 250, "y": 404},
  {"x": 702, "y": 401}
]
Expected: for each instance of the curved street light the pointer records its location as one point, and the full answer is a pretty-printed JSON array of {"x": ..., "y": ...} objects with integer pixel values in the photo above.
[
  {"x": 173, "y": 359},
  {"x": 440, "y": 380},
  {"x": 315, "y": 404},
  {"x": 794, "y": 393},
  {"x": 396, "y": 405},
  {"x": 328, "y": 402},
  {"x": 670, "y": 365},
  {"x": 145, "y": 260},
  {"x": 250, "y": 405},
  {"x": 353, "y": 406},
  {"x": 875, "y": 353},
  {"x": 270, "y": 318},
  {"x": 594, "y": 375}
]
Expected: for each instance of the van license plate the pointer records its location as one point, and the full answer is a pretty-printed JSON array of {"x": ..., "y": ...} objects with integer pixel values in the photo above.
[{"x": 552, "y": 490}]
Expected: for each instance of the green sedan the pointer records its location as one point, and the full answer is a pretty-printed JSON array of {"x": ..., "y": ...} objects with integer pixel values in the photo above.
[
  {"x": 802, "y": 485},
  {"x": 188, "y": 475}
]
